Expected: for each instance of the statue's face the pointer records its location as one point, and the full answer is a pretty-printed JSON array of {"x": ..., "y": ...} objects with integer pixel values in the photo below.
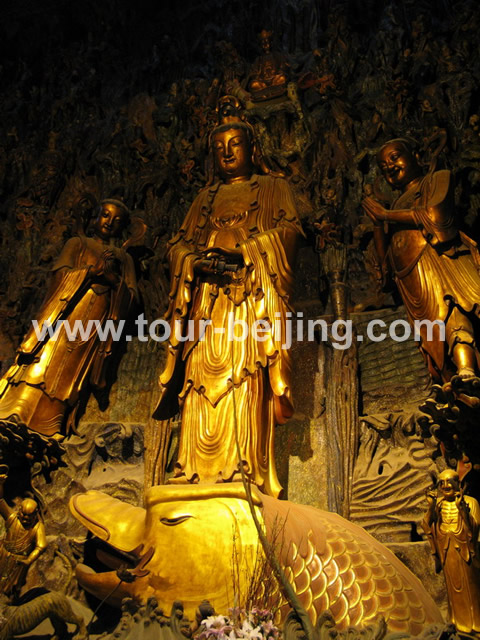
[
  {"x": 28, "y": 513},
  {"x": 448, "y": 485},
  {"x": 232, "y": 154},
  {"x": 398, "y": 165},
  {"x": 110, "y": 221},
  {"x": 266, "y": 43}
]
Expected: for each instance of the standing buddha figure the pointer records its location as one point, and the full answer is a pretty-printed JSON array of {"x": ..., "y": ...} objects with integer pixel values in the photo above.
[{"x": 231, "y": 262}]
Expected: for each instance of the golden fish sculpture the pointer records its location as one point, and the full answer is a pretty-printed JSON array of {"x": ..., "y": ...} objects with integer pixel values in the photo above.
[{"x": 189, "y": 538}]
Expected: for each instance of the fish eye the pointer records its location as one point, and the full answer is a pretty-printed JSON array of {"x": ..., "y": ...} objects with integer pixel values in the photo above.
[{"x": 171, "y": 522}]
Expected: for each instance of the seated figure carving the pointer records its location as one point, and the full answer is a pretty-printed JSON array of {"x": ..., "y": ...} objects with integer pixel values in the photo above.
[{"x": 269, "y": 74}]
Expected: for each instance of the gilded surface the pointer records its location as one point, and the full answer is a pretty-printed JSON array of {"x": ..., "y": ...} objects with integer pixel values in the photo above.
[
  {"x": 24, "y": 541},
  {"x": 269, "y": 73},
  {"x": 435, "y": 267},
  {"x": 93, "y": 280},
  {"x": 331, "y": 562},
  {"x": 452, "y": 525},
  {"x": 253, "y": 220}
]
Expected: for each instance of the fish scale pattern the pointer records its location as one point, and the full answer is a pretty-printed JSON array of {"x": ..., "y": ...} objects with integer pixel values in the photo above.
[{"x": 337, "y": 566}]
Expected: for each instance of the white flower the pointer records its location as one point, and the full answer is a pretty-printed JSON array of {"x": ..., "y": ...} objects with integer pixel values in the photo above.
[
  {"x": 248, "y": 631},
  {"x": 217, "y": 622}
]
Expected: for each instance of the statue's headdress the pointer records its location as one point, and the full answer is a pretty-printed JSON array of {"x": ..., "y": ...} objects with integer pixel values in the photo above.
[{"x": 230, "y": 115}]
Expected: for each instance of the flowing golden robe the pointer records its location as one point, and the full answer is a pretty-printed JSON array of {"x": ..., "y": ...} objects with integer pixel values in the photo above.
[
  {"x": 216, "y": 379},
  {"x": 47, "y": 375},
  {"x": 435, "y": 268},
  {"x": 455, "y": 543}
]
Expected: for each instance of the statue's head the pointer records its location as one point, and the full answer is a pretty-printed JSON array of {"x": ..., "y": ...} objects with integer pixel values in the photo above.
[
  {"x": 233, "y": 150},
  {"x": 449, "y": 483},
  {"x": 265, "y": 37},
  {"x": 112, "y": 219},
  {"x": 399, "y": 163},
  {"x": 28, "y": 513}
]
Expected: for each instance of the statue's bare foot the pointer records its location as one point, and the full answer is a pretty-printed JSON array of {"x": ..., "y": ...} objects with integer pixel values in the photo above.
[{"x": 466, "y": 373}]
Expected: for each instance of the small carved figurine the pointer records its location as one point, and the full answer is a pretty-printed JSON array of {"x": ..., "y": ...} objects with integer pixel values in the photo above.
[
  {"x": 24, "y": 541},
  {"x": 268, "y": 77},
  {"x": 452, "y": 524}
]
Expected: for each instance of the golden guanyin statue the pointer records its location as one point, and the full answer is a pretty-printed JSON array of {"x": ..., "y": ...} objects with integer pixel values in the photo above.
[
  {"x": 435, "y": 266},
  {"x": 231, "y": 262},
  {"x": 452, "y": 524},
  {"x": 93, "y": 280},
  {"x": 269, "y": 74}
]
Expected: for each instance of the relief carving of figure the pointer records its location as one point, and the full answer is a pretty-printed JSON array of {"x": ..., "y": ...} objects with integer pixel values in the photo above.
[{"x": 269, "y": 74}]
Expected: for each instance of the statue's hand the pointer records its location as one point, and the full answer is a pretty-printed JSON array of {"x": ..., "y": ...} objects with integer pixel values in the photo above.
[
  {"x": 229, "y": 260},
  {"x": 374, "y": 210},
  {"x": 459, "y": 501},
  {"x": 98, "y": 268},
  {"x": 106, "y": 266},
  {"x": 217, "y": 261},
  {"x": 205, "y": 266},
  {"x": 111, "y": 269}
]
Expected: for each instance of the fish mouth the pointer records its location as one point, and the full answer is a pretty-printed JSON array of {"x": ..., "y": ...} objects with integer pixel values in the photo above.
[
  {"x": 116, "y": 547},
  {"x": 117, "y": 575},
  {"x": 106, "y": 587}
]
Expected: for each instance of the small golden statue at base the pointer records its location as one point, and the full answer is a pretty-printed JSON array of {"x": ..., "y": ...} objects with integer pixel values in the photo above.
[
  {"x": 452, "y": 524},
  {"x": 231, "y": 265},
  {"x": 24, "y": 541},
  {"x": 93, "y": 282},
  {"x": 435, "y": 266}
]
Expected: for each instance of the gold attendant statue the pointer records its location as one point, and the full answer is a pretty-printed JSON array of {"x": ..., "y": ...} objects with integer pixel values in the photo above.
[
  {"x": 231, "y": 262},
  {"x": 452, "y": 523},
  {"x": 434, "y": 265},
  {"x": 93, "y": 280},
  {"x": 24, "y": 541}
]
